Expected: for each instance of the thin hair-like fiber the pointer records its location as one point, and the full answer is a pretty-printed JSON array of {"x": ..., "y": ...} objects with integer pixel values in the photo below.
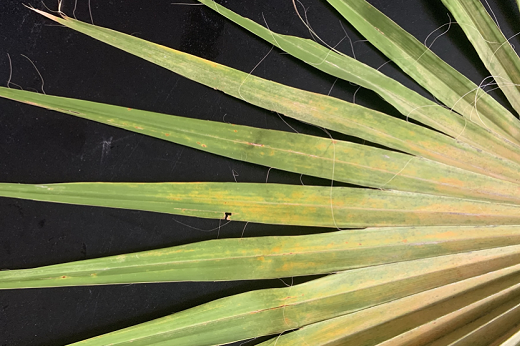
[
  {"x": 254, "y": 68},
  {"x": 244, "y": 229},
  {"x": 90, "y": 12},
  {"x": 41, "y": 77},
  {"x": 10, "y": 70},
  {"x": 200, "y": 229}
]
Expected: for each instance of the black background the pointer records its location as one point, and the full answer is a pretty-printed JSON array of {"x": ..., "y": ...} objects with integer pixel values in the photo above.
[{"x": 39, "y": 146}]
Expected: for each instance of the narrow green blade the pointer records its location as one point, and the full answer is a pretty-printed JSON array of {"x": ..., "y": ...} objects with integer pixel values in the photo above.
[
  {"x": 266, "y": 257},
  {"x": 407, "y": 101},
  {"x": 273, "y": 311},
  {"x": 439, "y": 328},
  {"x": 443, "y": 81},
  {"x": 276, "y": 203},
  {"x": 493, "y": 48},
  {"x": 386, "y": 321},
  {"x": 315, "y": 156},
  {"x": 450, "y": 337},
  {"x": 309, "y": 107},
  {"x": 492, "y": 330}
]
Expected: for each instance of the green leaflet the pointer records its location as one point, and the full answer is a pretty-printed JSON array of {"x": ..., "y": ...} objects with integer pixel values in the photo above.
[
  {"x": 309, "y": 107},
  {"x": 493, "y": 48},
  {"x": 273, "y": 311},
  {"x": 381, "y": 324},
  {"x": 276, "y": 203},
  {"x": 407, "y": 101},
  {"x": 453, "y": 336},
  {"x": 464, "y": 317},
  {"x": 504, "y": 324},
  {"x": 350, "y": 162},
  {"x": 266, "y": 257},
  {"x": 443, "y": 81}
]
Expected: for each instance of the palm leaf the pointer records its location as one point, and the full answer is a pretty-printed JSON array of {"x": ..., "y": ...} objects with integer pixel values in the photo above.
[
  {"x": 384, "y": 322},
  {"x": 496, "y": 52},
  {"x": 409, "y": 103},
  {"x": 444, "y": 82},
  {"x": 272, "y": 311},
  {"x": 276, "y": 203},
  {"x": 441, "y": 267},
  {"x": 325, "y": 158},
  {"x": 316, "y": 109},
  {"x": 267, "y": 257}
]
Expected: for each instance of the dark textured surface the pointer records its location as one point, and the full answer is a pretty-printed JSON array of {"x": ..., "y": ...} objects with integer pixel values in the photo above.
[{"x": 39, "y": 146}]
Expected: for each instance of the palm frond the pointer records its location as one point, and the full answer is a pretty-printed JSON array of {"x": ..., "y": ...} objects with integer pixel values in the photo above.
[{"x": 425, "y": 245}]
